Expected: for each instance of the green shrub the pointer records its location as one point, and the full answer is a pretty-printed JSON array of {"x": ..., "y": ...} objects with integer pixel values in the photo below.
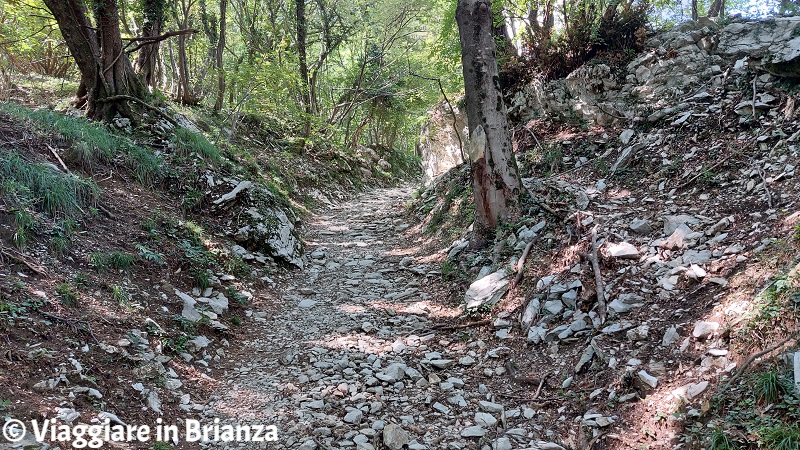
[{"x": 782, "y": 437}]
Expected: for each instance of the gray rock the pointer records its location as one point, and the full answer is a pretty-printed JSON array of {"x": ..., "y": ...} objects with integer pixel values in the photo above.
[
  {"x": 626, "y": 136},
  {"x": 306, "y": 304},
  {"x": 691, "y": 390},
  {"x": 671, "y": 223},
  {"x": 625, "y": 302},
  {"x": 271, "y": 232},
  {"x": 487, "y": 290},
  {"x": 623, "y": 250},
  {"x": 490, "y": 407},
  {"x": 189, "y": 311},
  {"x": 641, "y": 226},
  {"x": 671, "y": 336},
  {"x": 355, "y": 416},
  {"x": 394, "y": 437},
  {"x": 474, "y": 431},
  {"x": 647, "y": 379},
  {"x": 485, "y": 419},
  {"x": 775, "y": 42},
  {"x": 554, "y": 307},
  {"x": 703, "y": 330}
]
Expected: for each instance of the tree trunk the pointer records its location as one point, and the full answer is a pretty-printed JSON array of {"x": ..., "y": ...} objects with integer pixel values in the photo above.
[
  {"x": 185, "y": 94},
  {"x": 717, "y": 8},
  {"x": 147, "y": 59},
  {"x": 302, "y": 31},
  {"x": 223, "y": 7},
  {"x": 695, "y": 14},
  {"x": 495, "y": 180},
  {"x": 108, "y": 81}
]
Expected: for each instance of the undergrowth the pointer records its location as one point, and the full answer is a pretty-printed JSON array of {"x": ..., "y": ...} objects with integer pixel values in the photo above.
[{"x": 91, "y": 142}]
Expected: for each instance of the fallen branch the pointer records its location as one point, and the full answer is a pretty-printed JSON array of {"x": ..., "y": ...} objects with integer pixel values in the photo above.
[
  {"x": 521, "y": 262},
  {"x": 702, "y": 172},
  {"x": 461, "y": 326},
  {"x": 764, "y": 183},
  {"x": 752, "y": 359},
  {"x": 539, "y": 389},
  {"x": 534, "y": 138},
  {"x": 14, "y": 256},
  {"x": 598, "y": 277},
  {"x": 60, "y": 161}
]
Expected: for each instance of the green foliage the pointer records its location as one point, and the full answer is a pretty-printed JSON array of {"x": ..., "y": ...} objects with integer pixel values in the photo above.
[
  {"x": 68, "y": 295},
  {"x": 187, "y": 142},
  {"x": 104, "y": 261},
  {"x": 9, "y": 312},
  {"x": 720, "y": 441},
  {"x": 782, "y": 437},
  {"x": 149, "y": 255},
  {"x": 91, "y": 142},
  {"x": 43, "y": 188},
  {"x": 120, "y": 295},
  {"x": 237, "y": 267},
  {"x": 768, "y": 387}
]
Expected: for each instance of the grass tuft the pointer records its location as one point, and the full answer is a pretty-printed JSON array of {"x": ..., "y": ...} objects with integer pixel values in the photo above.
[
  {"x": 44, "y": 188},
  {"x": 187, "y": 142},
  {"x": 102, "y": 261}
]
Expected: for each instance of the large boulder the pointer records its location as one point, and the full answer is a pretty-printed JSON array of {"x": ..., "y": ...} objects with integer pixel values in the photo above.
[
  {"x": 774, "y": 43},
  {"x": 271, "y": 232},
  {"x": 264, "y": 225}
]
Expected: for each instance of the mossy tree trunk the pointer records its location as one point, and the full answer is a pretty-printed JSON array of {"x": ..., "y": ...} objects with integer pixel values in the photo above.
[
  {"x": 108, "y": 81},
  {"x": 495, "y": 179}
]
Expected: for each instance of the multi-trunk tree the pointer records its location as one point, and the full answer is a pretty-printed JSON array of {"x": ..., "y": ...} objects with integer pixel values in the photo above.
[{"x": 108, "y": 83}]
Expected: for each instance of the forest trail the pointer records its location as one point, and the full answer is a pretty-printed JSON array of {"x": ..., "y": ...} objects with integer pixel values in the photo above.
[{"x": 349, "y": 349}]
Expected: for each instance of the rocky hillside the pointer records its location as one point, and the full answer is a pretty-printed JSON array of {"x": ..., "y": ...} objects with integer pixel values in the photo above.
[{"x": 651, "y": 289}]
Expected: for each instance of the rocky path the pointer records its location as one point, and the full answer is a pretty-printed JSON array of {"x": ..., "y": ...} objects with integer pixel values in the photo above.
[{"x": 349, "y": 359}]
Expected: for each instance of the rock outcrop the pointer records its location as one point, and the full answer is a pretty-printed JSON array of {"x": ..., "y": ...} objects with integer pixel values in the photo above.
[
  {"x": 673, "y": 66},
  {"x": 440, "y": 147}
]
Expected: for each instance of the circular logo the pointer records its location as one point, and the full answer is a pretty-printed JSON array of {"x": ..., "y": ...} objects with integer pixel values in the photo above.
[{"x": 14, "y": 430}]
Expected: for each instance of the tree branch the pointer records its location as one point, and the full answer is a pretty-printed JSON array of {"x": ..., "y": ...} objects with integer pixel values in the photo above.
[{"x": 149, "y": 40}]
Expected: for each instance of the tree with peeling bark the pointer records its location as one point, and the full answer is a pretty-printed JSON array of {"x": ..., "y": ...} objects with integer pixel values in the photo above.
[
  {"x": 108, "y": 82},
  {"x": 495, "y": 180}
]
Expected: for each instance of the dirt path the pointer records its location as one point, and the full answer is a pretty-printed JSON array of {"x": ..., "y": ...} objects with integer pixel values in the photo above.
[{"x": 350, "y": 349}]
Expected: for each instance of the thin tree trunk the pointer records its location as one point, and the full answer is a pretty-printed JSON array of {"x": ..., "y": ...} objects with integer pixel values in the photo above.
[
  {"x": 495, "y": 180},
  {"x": 147, "y": 59},
  {"x": 302, "y": 31},
  {"x": 223, "y": 7},
  {"x": 185, "y": 94}
]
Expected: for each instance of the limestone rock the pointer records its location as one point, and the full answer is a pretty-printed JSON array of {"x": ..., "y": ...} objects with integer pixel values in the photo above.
[
  {"x": 394, "y": 437},
  {"x": 488, "y": 290}
]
